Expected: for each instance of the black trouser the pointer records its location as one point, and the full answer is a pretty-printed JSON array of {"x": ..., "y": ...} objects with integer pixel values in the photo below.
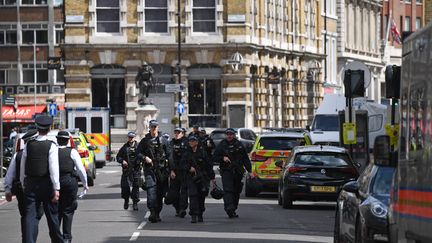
[
  {"x": 67, "y": 203},
  {"x": 156, "y": 189},
  {"x": 197, "y": 195},
  {"x": 37, "y": 191},
  {"x": 130, "y": 178},
  {"x": 232, "y": 185},
  {"x": 179, "y": 186}
]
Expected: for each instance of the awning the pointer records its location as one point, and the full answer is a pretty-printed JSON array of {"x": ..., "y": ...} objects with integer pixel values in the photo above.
[{"x": 23, "y": 113}]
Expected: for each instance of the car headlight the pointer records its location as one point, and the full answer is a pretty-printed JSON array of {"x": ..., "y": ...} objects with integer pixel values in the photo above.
[{"x": 378, "y": 209}]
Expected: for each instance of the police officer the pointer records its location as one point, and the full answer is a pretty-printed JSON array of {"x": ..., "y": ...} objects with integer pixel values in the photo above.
[
  {"x": 39, "y": 175},
  {"x": 233, "y": 160},
  {"x": 69, "y": 165},
  {"x": 131, "y": 172},
  {"x": 153, "y": 152},
  {"x": 12, "y": 182},
  {"x": 200, "y": 170},
  {"x": 178, "y": 184},
  {"x": 195, "y": 131},
  {"x": 206, "y": 142}
]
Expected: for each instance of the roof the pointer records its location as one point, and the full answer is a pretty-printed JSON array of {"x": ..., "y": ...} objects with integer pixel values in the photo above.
[
  {"x": 319, "y": 148},
  {"x": 282, "y": 135}
]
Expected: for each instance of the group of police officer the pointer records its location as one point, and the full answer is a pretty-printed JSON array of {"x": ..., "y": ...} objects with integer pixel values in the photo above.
[
  {"x": 181, "y": 171},
  {"x": 43, "y": 177}
]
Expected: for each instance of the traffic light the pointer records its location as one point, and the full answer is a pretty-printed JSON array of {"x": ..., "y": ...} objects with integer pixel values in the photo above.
[
  {"x": 354, "y": 83},
  {"x": 392, "y": 81}
]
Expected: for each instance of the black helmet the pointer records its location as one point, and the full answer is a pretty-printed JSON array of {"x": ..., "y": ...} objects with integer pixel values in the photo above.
[
  {"x": 217, "y": 193},
  {"x": 254, "y": 185},
  {"x": 171, "y": 197}
]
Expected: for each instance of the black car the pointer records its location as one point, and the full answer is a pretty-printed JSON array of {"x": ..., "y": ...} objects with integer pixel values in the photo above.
[
  {"x": 245, "y": 135},
  {"x": 315, "y": 173},
  {"x": 362, "y": 206}
]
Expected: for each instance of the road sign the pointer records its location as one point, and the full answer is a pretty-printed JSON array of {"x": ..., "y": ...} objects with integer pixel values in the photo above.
[
  {"x": 172, "y": 88},
  {"x": 180, "y": 108},
  {"x": 9, "y": 100},
  {"x": 52, "y": 109}
]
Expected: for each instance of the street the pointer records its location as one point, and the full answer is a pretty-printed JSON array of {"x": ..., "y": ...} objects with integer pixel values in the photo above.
[{"x": 100, "y": 218}]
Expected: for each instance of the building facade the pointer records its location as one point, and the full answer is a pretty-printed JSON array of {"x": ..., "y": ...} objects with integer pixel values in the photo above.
[
  {"x": 244, "y": 63},
  {"x": 359, "y": 24},
  {"x": 30, "y": 32}
]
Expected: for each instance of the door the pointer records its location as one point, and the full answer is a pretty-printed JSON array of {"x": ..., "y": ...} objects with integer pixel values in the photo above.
[
  {"x": 165, "y": 103},
  {"x": 237, "y": 114}
]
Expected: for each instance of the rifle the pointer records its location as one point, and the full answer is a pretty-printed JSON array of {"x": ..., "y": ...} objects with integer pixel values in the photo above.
[{"x": 236, "y": 166}]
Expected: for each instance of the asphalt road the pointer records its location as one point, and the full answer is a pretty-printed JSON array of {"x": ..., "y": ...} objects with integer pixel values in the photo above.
[{"x": 100, "y": 218}]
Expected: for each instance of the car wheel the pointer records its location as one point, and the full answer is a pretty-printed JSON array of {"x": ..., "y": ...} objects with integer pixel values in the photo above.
[
  {"x": 287, "y": 201},
  {"x": 90, "y": 180}
]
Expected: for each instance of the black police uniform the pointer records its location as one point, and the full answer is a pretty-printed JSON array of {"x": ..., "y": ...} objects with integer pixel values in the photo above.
[
  {"x": 178, "y": 185},
  {"x": 208, "y": 144},
  {"x": 131, "y": 174},
  {"x": 40, "y": 177},
  {"x": 156, "y": 176},
  {"x": 232, "y": 173},
  {"x": 199, "y": 183}
]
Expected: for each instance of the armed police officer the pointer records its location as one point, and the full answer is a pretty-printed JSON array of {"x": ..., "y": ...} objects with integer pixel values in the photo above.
[
  {"x": 153, "y": 152},
  {"x": 200, "y": 169},
  {"x": 70, "y": 167},
  {"x": 12, "y": 180},
  {"x": 39, "y": 176},
  {"x": 131, "y": 172},
  {"x": 178, "y": 184},
  {"x": 233, "y": 160},
  {"x": 206, "y": 142}
]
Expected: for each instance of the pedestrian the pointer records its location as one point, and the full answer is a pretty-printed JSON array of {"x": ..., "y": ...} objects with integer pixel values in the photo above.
[
  {"x": 206, "y": 142},
  {"x": 153, "y": 153},
  {"x": 200, "y": 172},
  {"x": 12, "y": 183},
  {"x": 131, "y": 172},
  {"x": 13, "y": 133},
  {"x": 233, "y": 160},
  {"x": 70, "y": 167},
  {"x": 39, "y": 176},
  {"x": 178, "y": 183}
]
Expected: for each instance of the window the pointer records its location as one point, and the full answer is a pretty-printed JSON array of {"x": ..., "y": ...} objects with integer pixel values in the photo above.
[
  {"x": 96, "y": 125},
  {"x": 7, "y": 2},
  {"x": 418, "y": 23},
  {"x": 29, "y": 36},
  {"x": 34, "y": 2},
  {"x": 330, "y": 5},
  {"x": 156, "y": 16},
  {"x": 59, "y": 36},
  {"x": 204, "y": 15},
  {"x": 81, "y": 123},
  {"x": 280, "y": 143},
  {"x": 2, "y": 76},
  {"x": 28, "y": 76},
  {"x": 322, "y": 159},
  {"x": 419, "y": 1},
  {"x": 59, "y": 76},
  {"x": 8, "y": 37},
  {"x": 407, "y": 24},
  {"x": 108, "y": 16}
]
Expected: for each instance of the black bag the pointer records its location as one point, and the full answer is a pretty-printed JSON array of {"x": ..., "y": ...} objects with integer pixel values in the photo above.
[
  {"x": 217, "y": 193},
  {"x": 171, "y": 197}
]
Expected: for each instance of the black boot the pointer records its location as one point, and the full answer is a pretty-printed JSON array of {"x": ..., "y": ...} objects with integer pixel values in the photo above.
[
  {"x": 182, "y": 213},
  {"x": 194, "y": 219},
  {"x": 158, "y": 219},
  {"x": 135, "y": 206},
  {"x": 152, "y": 217},
  {"x": 200, "y": 218},
  {"x": 126, "y": 204}
]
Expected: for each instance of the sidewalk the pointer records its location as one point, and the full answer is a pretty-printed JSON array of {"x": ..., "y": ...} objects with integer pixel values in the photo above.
[{"x": 2, "y": 197}]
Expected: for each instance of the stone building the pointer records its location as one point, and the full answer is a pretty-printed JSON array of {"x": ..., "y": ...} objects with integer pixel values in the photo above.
[{"x": 244, "y": 63}]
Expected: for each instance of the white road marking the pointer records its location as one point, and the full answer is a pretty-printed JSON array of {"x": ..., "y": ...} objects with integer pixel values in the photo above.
[
  {"x": 134, "y": 236},
  {"x": 147, "y": 214},
  {"x": 105, "y": 184},
  {"x": 231, "y": 235},
  {"x": 143, "y": 223},
  {"x": 262, "y": 202},
  {"x": 108, "y": 172}
]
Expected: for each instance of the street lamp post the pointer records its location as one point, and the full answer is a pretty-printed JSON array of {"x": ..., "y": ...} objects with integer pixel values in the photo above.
[
  {"x": 179, "y": 54},
  {"x": 35, "y": 75}
]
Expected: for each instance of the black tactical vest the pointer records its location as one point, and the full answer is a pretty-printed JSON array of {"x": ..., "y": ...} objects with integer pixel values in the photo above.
[
  {"x": 131, "y": 152},
  {"x": 66, "y": 163},
  {"x": 158, "y": 152},
  {"x": 37, "y": 158},
  {"x": 178, "y": 146}
]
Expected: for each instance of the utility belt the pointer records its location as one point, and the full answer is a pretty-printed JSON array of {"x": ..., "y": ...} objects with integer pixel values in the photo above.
[{"x": 71, "y": 174}]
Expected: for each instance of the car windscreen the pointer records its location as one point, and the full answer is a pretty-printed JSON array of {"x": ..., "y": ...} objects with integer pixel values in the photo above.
[
  {"x": 322, "y": 159},
  {"x": 280, "y": 143},
  {"x": 382, "y": 181},
  {"x": 325, "y": 123},
  {"x": 218, "y": 135}
]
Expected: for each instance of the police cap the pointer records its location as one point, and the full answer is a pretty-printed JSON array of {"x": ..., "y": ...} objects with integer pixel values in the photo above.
[
  {"x": 63, "y": 134},
  {"x": 178, "y": 129},
  {"x": 29, "y": 134},
  {"x": 131, "y": 134},
  {"x": 196, "y": 126},
  {"x": 230, "y": 130},
  {"x": 202, "y": 129},
  {"x": 153, "y": 123},
  {"x": 43, "y": 122},
  {"x": 192, "y": 138}
]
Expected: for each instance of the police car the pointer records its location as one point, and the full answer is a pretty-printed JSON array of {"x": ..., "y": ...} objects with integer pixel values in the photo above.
[{"x": 268, "y": 149}]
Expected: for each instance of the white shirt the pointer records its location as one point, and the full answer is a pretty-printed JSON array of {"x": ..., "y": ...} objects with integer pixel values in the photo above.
[
  {"x": 12, "y": 135},
  {"x": 53, "y": 163},
  {"x": 78, "y": 166},
  {"x": 10, "y": 175}
]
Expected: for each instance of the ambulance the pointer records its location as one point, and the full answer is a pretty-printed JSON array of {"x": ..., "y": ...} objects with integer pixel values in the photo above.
[{"x": 95, "y": 123}]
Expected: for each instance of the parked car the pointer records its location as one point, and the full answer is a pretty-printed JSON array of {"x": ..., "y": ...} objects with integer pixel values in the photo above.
[
  {"x": 85, "y": 150},
  {"x": 315, "y": 173},
  {"x": 362, "y": 206},
  {"x": 245, "y": 135},
  {"x": 269, "y": 148}
]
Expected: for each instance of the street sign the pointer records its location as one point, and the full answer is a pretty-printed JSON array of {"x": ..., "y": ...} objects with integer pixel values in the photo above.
[
  {"x": 52, "y": 109},
  {"x": 9, "y": 100},
  {"x": 180, "y": 108},
  {"x": 172, "y": 88}
]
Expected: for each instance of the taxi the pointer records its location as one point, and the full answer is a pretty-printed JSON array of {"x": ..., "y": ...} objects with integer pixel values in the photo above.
[{"x": 267, "y": 150}]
